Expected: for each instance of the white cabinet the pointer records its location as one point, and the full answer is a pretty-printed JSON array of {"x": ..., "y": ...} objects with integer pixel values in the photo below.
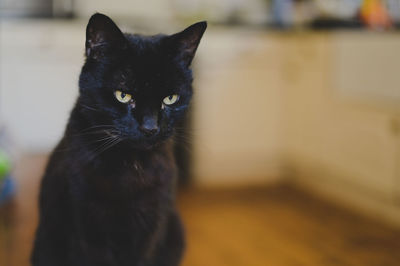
[{"x": 39, "y": 67}]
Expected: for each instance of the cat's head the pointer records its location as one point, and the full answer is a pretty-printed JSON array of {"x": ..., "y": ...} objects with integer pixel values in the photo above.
[{"x": 136, "y": 87}]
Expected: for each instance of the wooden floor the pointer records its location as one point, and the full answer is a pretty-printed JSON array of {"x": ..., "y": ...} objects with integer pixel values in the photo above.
[{"x": 248, "y": 227}]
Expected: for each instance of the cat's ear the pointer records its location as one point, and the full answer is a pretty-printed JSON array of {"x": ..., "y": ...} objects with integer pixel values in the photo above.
[
  {"x": 187, "y": 41},
  {"x": 102, "y": 36}
]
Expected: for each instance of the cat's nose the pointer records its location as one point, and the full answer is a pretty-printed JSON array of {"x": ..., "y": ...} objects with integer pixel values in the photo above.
[
  {"x": 149, "y": 131},
  {"x": 149, "y": 125}
]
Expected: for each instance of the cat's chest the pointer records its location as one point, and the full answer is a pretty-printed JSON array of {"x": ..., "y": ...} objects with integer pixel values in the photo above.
[
  {"x": 131, "y": 178},
  {"x": 124, "y": 206},
  {"x": 139, "y": 213},
  {"x": 130, "y": 189}
]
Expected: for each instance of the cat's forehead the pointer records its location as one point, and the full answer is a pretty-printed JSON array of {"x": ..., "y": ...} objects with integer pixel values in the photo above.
[
  {"x": 148, "y": 77},
  {"x": 143, "y": 45},
  {"x": 147, "y": 66},
  {"x": 146, "y": 55},
  {"x": 142, "y": 71}
]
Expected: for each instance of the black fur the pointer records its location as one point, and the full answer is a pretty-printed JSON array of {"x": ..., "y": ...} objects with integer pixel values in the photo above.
[{"x": 107, "y": 196}]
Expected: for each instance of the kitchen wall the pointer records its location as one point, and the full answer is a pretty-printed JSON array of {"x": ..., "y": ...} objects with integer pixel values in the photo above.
[
  {"x": 135, "y": 9},
  {"x": 249, "y": 11}
]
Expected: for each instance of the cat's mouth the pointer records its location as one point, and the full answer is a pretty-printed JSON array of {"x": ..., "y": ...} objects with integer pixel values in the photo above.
[
  {"x": 145, "y": 143},
  {"x": 133, "y": 140}
]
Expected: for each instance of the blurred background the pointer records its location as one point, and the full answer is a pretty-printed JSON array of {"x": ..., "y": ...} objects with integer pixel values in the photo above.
[{"x": 292, "y": 153}]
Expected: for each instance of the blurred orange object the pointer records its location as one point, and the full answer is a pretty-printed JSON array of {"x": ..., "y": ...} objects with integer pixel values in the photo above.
[{"x": 374, "y": 14}]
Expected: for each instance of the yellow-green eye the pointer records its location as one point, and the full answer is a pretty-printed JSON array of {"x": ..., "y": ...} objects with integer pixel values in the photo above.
[
  {"x": 171, "y": 99},
  {"x": 122, "y": 96}
]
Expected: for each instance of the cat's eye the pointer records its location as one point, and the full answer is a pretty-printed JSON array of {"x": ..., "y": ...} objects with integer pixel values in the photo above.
[
  {"x": 171, "y": 99},
  {"x": 123, "y": 97}
]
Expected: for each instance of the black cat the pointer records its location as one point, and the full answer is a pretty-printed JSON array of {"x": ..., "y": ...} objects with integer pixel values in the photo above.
[{"x": 107, "y": 196}]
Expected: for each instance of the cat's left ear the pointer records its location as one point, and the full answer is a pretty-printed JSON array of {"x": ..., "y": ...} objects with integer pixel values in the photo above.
[
  {"x": 103, "y": 37},
  {"x": 187, "y": 41}
]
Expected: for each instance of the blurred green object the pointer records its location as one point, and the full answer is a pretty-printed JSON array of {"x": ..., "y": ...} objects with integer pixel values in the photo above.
[{"x": 5, "y": 165}]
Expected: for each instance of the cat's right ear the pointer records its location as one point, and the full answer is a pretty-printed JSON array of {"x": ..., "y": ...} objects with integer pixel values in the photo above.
[
  {"x": 102, "y": 37},
  {"x": 186, "y": 41}
]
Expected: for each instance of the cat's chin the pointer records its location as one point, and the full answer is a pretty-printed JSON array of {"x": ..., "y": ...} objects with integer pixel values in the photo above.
[{"x": 144, "y": 145}]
